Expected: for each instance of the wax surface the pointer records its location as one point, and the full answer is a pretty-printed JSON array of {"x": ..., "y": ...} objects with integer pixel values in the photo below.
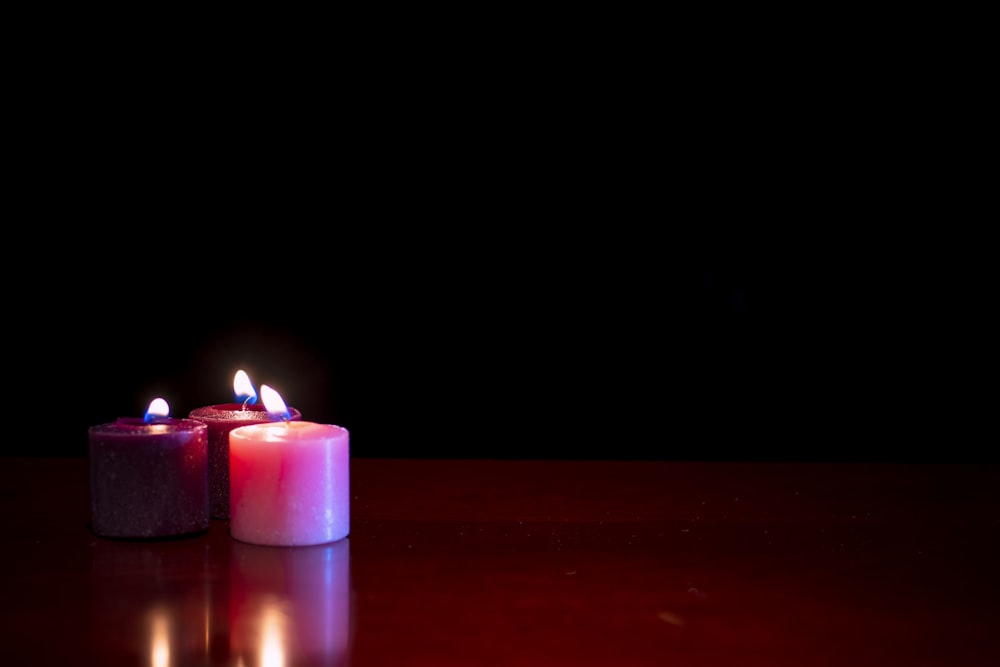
[
  {"x": 149, "y": 480},
  {"x": 221, "y": 419},
  {"x": 289, "y": 483}
]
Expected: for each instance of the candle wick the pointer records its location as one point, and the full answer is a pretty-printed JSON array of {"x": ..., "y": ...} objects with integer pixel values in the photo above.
[{"x": 245, "y": 401}]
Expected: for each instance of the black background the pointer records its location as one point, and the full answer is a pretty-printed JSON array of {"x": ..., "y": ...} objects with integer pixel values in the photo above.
[
  {"x": 472, "y": 343},
  {"x": 697, "y": 253}
]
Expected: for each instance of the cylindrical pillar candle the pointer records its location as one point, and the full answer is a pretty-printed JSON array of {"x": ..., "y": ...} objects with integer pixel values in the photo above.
[
  {"x": 149, "y": 478},
  {"x": 221, "y": 419},
  {"x": 289, "y": 483}
]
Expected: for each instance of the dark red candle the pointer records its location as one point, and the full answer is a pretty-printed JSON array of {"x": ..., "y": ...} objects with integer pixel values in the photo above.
[
  {"x": 221, "y": 419},
  {"x": 149, "y": 477}
]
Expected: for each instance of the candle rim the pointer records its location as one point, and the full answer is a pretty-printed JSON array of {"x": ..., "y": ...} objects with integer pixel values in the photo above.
[
  {"x": 281, "y": 431},
  {"x": 138, "y": 426},
  {"x": 235, "y": 411},
  {"x": 236, "y": 407}
]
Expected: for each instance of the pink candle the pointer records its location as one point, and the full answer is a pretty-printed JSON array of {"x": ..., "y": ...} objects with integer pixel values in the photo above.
[
  {"x": 221, "y": 419},
  {"x": 289, "y": 481},
  {"x": 149, "y": 477}
]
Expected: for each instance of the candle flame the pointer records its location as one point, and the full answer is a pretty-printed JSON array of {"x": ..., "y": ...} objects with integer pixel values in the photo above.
[
  {"x": 273, "y": 402},
  {"x": 245, "y": 393},
  {"x": 157, "y": 408}
]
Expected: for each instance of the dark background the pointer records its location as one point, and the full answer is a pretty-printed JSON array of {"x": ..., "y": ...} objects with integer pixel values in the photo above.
[
  {"x": 425, "y": 343},
  {"x": 722, "y": 247}
]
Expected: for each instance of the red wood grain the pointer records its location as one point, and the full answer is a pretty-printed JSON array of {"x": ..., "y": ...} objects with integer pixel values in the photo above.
[{"x": 485, "y": 562}]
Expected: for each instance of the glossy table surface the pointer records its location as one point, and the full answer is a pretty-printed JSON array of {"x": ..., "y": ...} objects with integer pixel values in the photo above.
[{"x": 488, "y": 562}]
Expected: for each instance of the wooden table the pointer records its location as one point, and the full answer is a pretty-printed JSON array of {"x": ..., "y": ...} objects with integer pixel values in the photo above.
[{"x": 492, "y": 562}]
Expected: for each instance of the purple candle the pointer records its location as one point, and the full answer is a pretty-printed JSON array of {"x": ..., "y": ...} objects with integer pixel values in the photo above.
[
  {"x": 221, "y": 419},
  {"x": 149, "y": 477}
]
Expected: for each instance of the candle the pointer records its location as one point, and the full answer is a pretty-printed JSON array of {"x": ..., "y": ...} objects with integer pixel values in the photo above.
[
  {"x": 221, "y": 419},
  {"x": 149, "y": 476},
  {"x": 289, "y": 481}
]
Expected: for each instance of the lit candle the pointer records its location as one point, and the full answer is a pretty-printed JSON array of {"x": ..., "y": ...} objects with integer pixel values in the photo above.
[
  {"x": 149, "y": 476},
  {"x": 221, "y": 419},
  {"x": 289, "y": 481}
]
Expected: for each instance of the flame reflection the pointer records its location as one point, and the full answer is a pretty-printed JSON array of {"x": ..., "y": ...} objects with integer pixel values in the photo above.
[
  {"x": 272, "y": 636},
  {"x": 160, "y": 640}
]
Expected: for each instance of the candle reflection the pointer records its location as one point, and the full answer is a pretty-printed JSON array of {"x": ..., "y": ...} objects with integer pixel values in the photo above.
[
  {"x": 290, "y": 605},
  {"x": 154, "y": 602}
]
